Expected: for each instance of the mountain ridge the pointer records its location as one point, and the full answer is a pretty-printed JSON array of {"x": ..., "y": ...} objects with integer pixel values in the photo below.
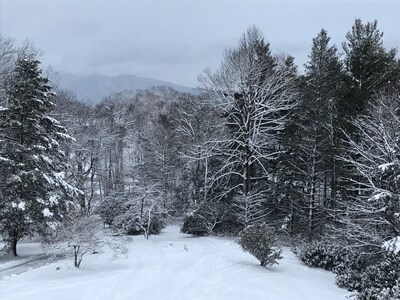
[{"x": 95, "y": 87}]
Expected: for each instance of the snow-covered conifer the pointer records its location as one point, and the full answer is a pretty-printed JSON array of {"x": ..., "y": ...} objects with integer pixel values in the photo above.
[{"x": 33, "y": 190}]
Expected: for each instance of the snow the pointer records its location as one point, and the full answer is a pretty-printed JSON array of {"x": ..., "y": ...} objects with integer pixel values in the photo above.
[
  {"x": 380, "y": 196},
  {"x": 386, "y": 166},
  {"x": 52, "y": 120},
  {"x": 53, "y": 199},
  {"x": 47, "y": 159},
  {"x": 20, "y": 205},
  {"x": 4, "y": 159},
  {"x": 174, "y": 266},
  {"x": 47, "y": 213},
  {"x": 27, "y": 252},
  {"x": 392, "y": 245}
]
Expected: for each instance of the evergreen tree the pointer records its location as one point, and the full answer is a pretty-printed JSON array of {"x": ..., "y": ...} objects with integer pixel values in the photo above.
[
  {"x": 371, "y": 70},
  {"x": 315, "y": 138},
  {"x": 370, "y": 67},
  {"x": 33, "y": 191}
]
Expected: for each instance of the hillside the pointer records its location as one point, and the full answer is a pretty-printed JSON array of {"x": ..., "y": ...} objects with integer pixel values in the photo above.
[{"x": 94, "y": 88}]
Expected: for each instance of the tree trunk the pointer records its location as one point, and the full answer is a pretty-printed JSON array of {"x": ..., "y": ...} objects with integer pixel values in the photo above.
[
  {"x": 148, "y": 225},
  {"x": 13, "y": 246},
  {"x": 333, "y": 187},
  {"x": 76, "y": 256},
  {"x": 205, "y": 180},
  {"x": 312, "y": 195},
  {"x": 81, "y": 181}
]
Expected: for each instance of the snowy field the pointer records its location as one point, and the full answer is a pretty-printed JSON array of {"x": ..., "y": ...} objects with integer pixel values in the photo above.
[{"x": 174, "y": 266}]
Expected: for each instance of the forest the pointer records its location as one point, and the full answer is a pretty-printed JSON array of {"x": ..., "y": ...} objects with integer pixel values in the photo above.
[{"x": 310, "y": 159}]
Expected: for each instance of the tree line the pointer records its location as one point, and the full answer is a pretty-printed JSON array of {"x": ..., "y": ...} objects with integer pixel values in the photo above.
[{"x": 312, "y": 154}]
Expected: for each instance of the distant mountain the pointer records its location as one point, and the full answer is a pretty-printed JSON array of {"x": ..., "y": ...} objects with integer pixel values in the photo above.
[{"x": 94, "y": 88}]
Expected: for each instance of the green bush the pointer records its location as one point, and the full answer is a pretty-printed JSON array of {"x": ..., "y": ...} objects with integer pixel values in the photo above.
[
  {"x": 323, "y": 255},
  {"x": 228, "y": 227},
  {"x": 380, "y": 281},
  {"x": 372, "y": 277},
  {"x": 194, "y": 224},
  {"x": 349, "y": 271},
  {"x": 156, "y": 225},
  {"x": 119, "y": 214},
  {"x": 260, "y": 241},
  {"x": 110, "y": 208},
  {"x": 129, "y": 223}
]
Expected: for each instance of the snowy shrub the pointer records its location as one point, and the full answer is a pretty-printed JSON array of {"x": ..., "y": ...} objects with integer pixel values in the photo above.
[
  {"x": 110, "y": 208},
  {"x": 194, "y": 224},
  {"x": 211, "y": 217},
  {"x": 349, "y": 271},
  {"x": 373, "y": 277},
  {"x": 156, "y": 225},
  {"x": 380, "y": 281},
  {"x": 129, "y": 223},
  {"x": 317, "y": 254},
  {"x": 83, "y": 234},
  {"x": 228, "y": 227},
  {"x": 260, "y": 241},
  {"x": 323, "y": 255},
  {"x": 132, "y": 216}
]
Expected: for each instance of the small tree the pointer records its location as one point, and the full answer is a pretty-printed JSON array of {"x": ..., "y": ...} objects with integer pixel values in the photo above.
[
  {"x": 139, "y": 212},
  {"x": 260, "y": 241},
  {"x": 84, "y": 234}
]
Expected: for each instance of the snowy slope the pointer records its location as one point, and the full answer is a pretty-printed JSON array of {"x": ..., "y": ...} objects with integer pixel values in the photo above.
[{"x": 161, "y": 268}]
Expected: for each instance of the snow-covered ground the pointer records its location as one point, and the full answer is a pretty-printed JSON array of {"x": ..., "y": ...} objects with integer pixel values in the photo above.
[
  {"x": 174, "y": 266},
  {"x": 30, "y": 255}
]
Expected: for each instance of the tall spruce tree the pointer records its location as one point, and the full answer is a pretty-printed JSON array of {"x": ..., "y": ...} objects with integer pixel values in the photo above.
[
  {"x": 33, "y": 192},
  {"x": 371, "y": 68},
  {"x": 311, "y": 139}
]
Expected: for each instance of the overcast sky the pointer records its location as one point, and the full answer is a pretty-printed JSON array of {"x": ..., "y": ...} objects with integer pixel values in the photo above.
[{"x": 176, "y": 40}]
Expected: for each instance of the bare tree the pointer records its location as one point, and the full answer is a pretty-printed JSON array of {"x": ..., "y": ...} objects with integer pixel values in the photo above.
[
  {"x": 7, "y": 61},
  {"x": 84, "y": 235},
  {"x": 254, "y": 93},
  {"x": 148, "y": 203},
  {"x": 372, "y": 216},
  {"x": 84, "y": 154}
]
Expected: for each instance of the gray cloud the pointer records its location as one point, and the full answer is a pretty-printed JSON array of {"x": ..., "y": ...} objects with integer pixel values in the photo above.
[{"x": 176, "y": 40}]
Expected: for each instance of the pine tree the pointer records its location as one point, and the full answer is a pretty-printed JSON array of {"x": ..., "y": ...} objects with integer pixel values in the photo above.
[
  {"x": 371, "y": 70},
  {"x": 315, "y": 139},
  {"x": 370, "y": 67},
  {"x": 33, "y": 192}
]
